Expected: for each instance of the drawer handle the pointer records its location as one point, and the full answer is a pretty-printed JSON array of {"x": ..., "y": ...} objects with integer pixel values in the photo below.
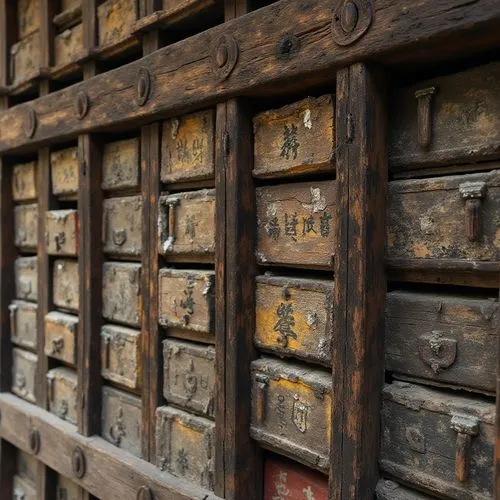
[
  {"x": 25, "y": 288},
  {"x": 466, "y": 427},
  {"x": 119, "y": 237},
  {"x": 170, "y": 217},
  {"x": 20, "y": 381},
  {"x": 57, "y": 345},
  {"x": 437, "y": 351},
  {"x": 63, "y": 409},
  {"x": 473, "y": 193},
  {"x": 424, "y": 116},
  {"x": 13, "y": 325},
  {"x": 107, "y": 341},
  {"x": 117, "y": 430},
  {"x": 19, "y": 494},
  {"x": 262, "y": 383}
]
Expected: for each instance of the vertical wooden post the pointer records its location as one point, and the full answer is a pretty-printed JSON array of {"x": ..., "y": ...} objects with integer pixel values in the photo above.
[
  {"x": 47, "y": 33},
  {"x": 360, "y": 283},
  {"x": 8, "y": 29},
  {"x": 496, "y": 468},
  {"x": 89, "y": 20}
]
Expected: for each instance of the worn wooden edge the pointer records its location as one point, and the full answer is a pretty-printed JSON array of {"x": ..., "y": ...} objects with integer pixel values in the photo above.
[
  {"x": 496, "y": 462},
  {"x": 188, "y": 67},
  {"x": 444, "y": 265},
  {"x": 111, "y": 473}
]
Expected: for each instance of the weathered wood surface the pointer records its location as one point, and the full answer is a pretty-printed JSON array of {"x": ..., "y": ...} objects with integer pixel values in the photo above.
[
  {"x": 444, "y": 339},
  {"x": 121, "y": 420},
  {"x": 68, "y": 490},
  {"x": 24, "y": 374},
  {"x": 463, "y": 114},
  {"x": 23, "y": 325},
  {"x": 292, "y": 411},
  {"x": 60, "y": 336},
  {"x": 188, "y": 147},
  {"x": 26, "y": 278},
  {"x": 64, "y": 171},
  {"x": 187, "y": 226},
  {"x": 69, "y": 14},
  {"x": 428, "y": 436},
  {"x": 122, "y": 226},
  {"x": 296, "y": 224},
  {"x": 28, "y": 17},
  {"x": 25, "y": 59},
  {"x": 68, "y": 46},
  {"x": 296, "y": 139},
  {"x": 24, "y": 489},
  {"x": 62, "y": 393},
  {"x": 24, "y": 182},
  {"x": 121, "y": 355},
  {"x": 61, "y": 232},
  {"x": 120, "y": 165},
  {"x": 189, "y": 376},
  {"x": 121, "y": 292},
  {"x": 187, "y": 66},
  {"x": 66, "y": 284},
  {"x": 27, "y": 466},
  {"x": 185, "y": 446},
  {"x": 26, "y": 226},
  {"x": 294, "y": 317},
  {"x": 115, "y": 21},
  {"x": 390, "y": 490}
]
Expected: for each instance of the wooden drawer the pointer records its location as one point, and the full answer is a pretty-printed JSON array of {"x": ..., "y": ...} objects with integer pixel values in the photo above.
[
  {"x": 445, "y": 339},
  {"x": 120, "y": 165},
  {"x": 28, "y": 17},
  {"x": 27, "y": 466},
  {"x": 25, "y": 59},
  {"x": 69, "y": 46},
  {"x": 185, "y": 445},
  {"x": 26, "y": 278},
  {"x": 115, "y": 20},
  {"x": 60, "y": 336},
  {"x": 296, "y": 139},
  {"x": 122, "y": 226},
  {"x": 121, "y": 355},
  {"x": 189, "y": 376},
  {"x": 446, "y": 120},
  {"x": 389, "y": 490},
  {"x": 68, "y": 490},
  {"x": 291, "y": 410},
  {"x": 26, "y": 226},
  {"x": 64, "y": 168},
  {"x": 24, "y": 182},
  {"x": 121, "y": 420},
  {"x": 24, "y": 374},
  {"x": 187, "y": 226},
  {"x": 283, "y": 478},
  {"x": 23, "y": 324},
  {"x": 188, "y": 148},
  {"x": 23, "y": 489},
  {"x": 187, "y": 300},
  {"x": 121, "y": 292},
  {"x": 296, "y": 224},
  {"x": 294, "y": 317},
  {"x": 62, "y": 391},
  {"x": 61, "y": 232},
  {"x": 66, "y": 284},
  {"x": 438, "y": 441}
]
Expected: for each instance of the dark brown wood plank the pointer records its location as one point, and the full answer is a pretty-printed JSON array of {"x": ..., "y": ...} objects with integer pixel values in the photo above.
[
  {"x": 496, "y": 468},
  {"x": 187, "y": 66},
  {"x": 47, "y": 33},
  {"x": 8, "y": 29},
  {"x": 360, "y": 282},
  {"x": 7, "y": 469},
  {"x": 89, "y": 19}
]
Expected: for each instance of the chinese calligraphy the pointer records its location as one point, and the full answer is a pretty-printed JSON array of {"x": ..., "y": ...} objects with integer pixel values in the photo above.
[
  {"x": 290, "y": 145},
  {"x": 311, "y": 225},
  {"x": 280, "y": 486},
  {"x": 182, "y": 461},
  {"x": 188, "y": 302},
  {"x": 190, "y": 153},
  {"x": 284, "y": 325},
  {"x": 190, "y": 226}
]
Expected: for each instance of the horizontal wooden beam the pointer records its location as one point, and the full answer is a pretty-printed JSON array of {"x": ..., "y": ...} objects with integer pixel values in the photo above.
[
  {"x": 109, "y": 472},
  {"x": 271, "y": 54}
]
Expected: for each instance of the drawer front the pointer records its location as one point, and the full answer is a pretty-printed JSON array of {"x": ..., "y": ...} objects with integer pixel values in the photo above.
[
  {"x": 389, "y": 490},
  {"x": 122, "y": 226},
  {"x": 23, "y": 489},
  {"x": 69, "y": 45},
  {"x": 185, "y": 445},
  {"x": 296, "y": 224},
  {"x": 62, "y": 391},
  {"x": 61, "y": 232},
  {"x": 120, "y": 165},
  {"x": 23, "y": 323},
  {"x": 187, "y": 225},
  {"x": 189, "y": 376},
  {"x": 438, "y": 441},
  {"x": 24, "y": 182},
  {"x": 68, "y": 490},
  {"x": 447, "y": 218},
  {"x": 64, "y": 167},
  {"x": 121, "y": 420},
  {"x": 188, "y": 148},
  {"x": 443, "y": 338},
  {"x": 26, "y": 226},
  {"x": 25, "y": 59},
  {"x": 28, "y": 16},
  {"x": 294, "y": 317},
  {"x": 66, "y": 284},
  {"x": 121, "y": 355},
  {"x": 60, "y": 336},
  {"x": 285, "y": 479},
  {"x": 187, "y": 299},
  {"x": 115, "y": 20},
  {"x": 447, "y": 120},
  {"x": 24, "y": 374},
  {"x": 295, "y": 139},
  {"x": 121, "y": 293},
  {"x": 26, "y": 278},
  {"x": 291, "y": 411},
  {"x": 27, "y": 466}
]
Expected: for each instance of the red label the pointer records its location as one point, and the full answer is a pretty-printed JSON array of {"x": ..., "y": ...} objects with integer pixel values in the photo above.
[{"x": 285, "y": 480}]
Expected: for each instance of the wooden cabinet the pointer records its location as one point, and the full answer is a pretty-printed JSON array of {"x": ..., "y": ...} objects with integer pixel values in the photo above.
[
  {"x": 61, "y": 232},
  {"x": 23, "y": 374},
  {"x": 120, "y": 165},
  {"x": 66, "y": 284},
  {"x": 64, "y": 171},
  {"x": 62, "y": 388},
  {"x": 23, "y": 323},
  {"x": 60, "y": 336},
  {"x": 24, "y": 182},
  {"x": 26, "y": 226},
  {"x": 26, "y": 278}
]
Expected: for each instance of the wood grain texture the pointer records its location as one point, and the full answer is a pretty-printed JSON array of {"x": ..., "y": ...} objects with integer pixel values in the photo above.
[
  {"x": 62, "y": 388},
  {"x": 64, "y": 165},
  {"x": 60, "y": 336},
  {"x": 120, "y": 165},
  {"x": 24, "y": 181},
  {"x": 390, "y": 490}
]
